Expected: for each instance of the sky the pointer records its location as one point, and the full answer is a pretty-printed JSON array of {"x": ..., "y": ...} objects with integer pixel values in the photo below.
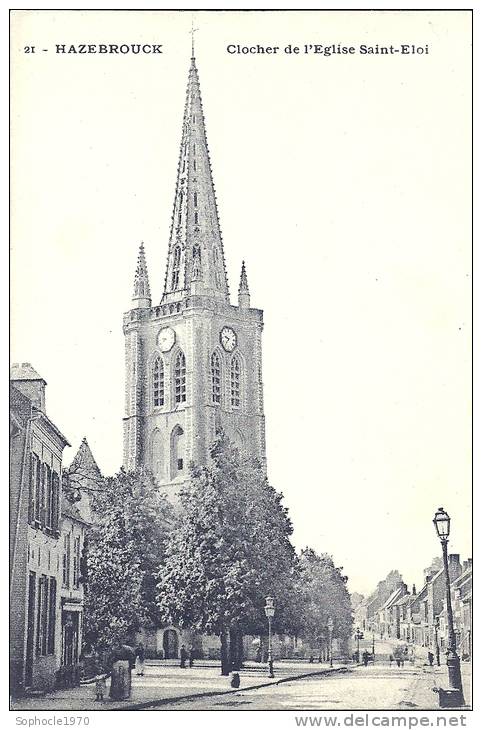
[{"x": 344, "y": 183}]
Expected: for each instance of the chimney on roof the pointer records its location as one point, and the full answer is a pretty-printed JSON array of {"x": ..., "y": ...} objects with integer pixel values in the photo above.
[
  {"x": 455, "y": 568},
  {"x": 26, "y": 379}
]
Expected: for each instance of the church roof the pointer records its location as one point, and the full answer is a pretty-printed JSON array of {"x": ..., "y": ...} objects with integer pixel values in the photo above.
[
  {"x": 195, "y": 262},
  {"x": 84, "y": 461}
]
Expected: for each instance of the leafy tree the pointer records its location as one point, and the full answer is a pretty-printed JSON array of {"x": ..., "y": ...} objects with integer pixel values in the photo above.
[
  {"x": 323, "y": 593},
  {"x": 126, "y": 545},
  {"x": 230, "y": 549}
]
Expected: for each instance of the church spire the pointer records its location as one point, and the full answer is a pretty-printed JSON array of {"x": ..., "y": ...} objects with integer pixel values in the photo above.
[
  {"x": 195, "y": 262},
  {"x": 142, "y": 294},
  {"x": 243, "y": 291}
]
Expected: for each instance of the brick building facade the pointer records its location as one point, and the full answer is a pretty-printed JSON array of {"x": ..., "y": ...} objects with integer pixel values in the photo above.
[{"x": 42, "y": 647}]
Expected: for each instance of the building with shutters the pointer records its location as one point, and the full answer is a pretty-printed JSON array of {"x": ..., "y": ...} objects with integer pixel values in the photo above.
[{"x": 47, "y": 534}]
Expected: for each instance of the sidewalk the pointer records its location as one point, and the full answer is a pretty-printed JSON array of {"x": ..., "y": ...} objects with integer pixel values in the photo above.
[
  {"x": 422, "y": 695},
  {"x": 438, "y": 677},
  {"x": 164, "y": 683}
]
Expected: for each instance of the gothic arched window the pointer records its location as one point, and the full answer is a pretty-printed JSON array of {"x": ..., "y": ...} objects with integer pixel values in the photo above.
[
  {"x": 177, "y": 452},
  {"x": 180, "y": 378},
  {"x": 235, "y": 382},
  {"x": 158, "y": 382},
  {"x": 216, "y": 378},
  {"x": 156, "y": 454},
  {"x": 176, "y": 267}
]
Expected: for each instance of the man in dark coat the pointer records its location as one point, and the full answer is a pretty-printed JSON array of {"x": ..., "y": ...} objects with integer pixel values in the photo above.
[
  {"x": 121, "y": 660},
  {"x": 183, "y": 656}
]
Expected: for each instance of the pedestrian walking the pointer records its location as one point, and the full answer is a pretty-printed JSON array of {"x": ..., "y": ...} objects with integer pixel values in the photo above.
[
  {"x": 365, "y": 658},
  {"x": 140, "y": 659},
  {"x": 391, "y": 659},
  {"x": 183, "y": 656},
  {"x": 430, "y": 658},
  {"x": 99, "y": 677},
  {"x": 99, "y": 687},
  {"x": 191, "y": 655}
]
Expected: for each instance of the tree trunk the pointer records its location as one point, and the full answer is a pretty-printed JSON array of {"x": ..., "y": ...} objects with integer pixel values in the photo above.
[
  {"x": 224, "y": 653},
  {"x": 233, "y": 654},
  {"x": 235, "y": 649},
  {"x": 240, "y": 649}
]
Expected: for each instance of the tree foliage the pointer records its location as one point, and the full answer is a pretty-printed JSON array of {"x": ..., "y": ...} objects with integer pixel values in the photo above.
[
  {"x": 126, "y": 545},
  {"x": 323, "y": 593},
  {"x": 230, "y": 549}
]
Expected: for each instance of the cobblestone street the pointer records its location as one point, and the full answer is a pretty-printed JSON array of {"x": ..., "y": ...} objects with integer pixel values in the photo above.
[{"x": 378, "y": 687}]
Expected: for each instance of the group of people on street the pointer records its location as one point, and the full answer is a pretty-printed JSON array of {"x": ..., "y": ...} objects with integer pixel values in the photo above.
[
  {"x": 400, "y": 656},
  {"x": 119, "y": 664}
]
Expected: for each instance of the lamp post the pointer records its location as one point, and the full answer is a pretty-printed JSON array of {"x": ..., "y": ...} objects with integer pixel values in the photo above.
[
  {"x": 269, "y": 611},
  {"x": 437, "y": 647},
  {"x": 454, "y": 697},
  {"x": 330, "y": 634},
  {"x": 373, "y": 645},
  {"x": 358, "y": 635}
]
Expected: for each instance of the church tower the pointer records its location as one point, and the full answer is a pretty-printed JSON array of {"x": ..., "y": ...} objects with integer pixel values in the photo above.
[{"x": 193, "y": 362}]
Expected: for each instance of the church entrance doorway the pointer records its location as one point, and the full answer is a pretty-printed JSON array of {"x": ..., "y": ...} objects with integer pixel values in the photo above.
[{"x": 170, "y": 644}]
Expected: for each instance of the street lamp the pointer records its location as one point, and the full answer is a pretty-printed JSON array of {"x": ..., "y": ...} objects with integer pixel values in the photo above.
[
  {"x": 330, "y": 633},
  {"x": 358, "y": 636},
  {"x": 454, "y": 697},
  {"x": 269, "y": 611},
  {"x": 437, "y": 647}
]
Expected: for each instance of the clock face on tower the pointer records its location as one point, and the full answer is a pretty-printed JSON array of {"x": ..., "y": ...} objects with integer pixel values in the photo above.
[
  {"x": 228, "y": 338},
  {"x": 166, "y": 338}
]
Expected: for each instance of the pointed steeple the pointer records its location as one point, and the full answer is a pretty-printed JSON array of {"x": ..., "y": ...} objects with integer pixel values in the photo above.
[
  {"x": 195, "y": 262},
  {"x": 84, "y": 463},
  {"x": 243, "y": 291},
  {"x": 142, "y": 294}
]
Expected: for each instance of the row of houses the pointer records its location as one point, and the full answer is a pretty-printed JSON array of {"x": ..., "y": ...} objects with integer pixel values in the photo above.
[
  {"x": 420, "y": 617},
  {"x": 48, "y": 523}
]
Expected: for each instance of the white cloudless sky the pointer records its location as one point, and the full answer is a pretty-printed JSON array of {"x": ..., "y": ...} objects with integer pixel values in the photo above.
[{"x": 343, "y": 181}]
